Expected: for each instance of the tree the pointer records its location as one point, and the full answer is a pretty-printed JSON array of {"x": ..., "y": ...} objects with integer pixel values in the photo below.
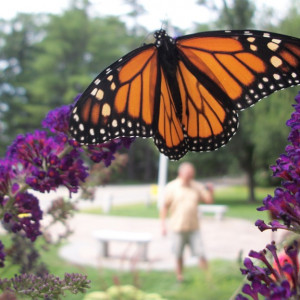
[
  {"x": 48, "y": 59},
  {"x": 19, "y": 37}
]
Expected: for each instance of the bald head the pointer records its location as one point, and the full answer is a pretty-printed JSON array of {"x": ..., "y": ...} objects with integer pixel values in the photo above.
[{"x": 186, "y": 172}]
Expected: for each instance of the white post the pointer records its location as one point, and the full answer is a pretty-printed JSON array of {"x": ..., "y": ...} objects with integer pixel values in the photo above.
[
  {"x": 162, "y": 178},
  {"x": 107, "y": 202}
]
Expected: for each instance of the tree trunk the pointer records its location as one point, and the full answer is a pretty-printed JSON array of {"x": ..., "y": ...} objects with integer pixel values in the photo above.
[
  {"x": 148, "y": 164},
  {"x": 130, "y": 163},
  {"x": 251, "y": 184}
]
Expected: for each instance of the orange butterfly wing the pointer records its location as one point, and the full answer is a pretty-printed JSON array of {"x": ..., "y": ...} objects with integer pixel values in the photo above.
[
  {"x": 169, "y": 135},
  {"x": 120, "y": 100},
  {"x": 246, "y": 65},
  {"x": 222, "y": 72}
]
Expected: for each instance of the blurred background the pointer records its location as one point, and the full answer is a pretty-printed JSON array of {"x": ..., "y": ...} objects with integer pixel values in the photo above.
[{"x": 51, "y": 50}]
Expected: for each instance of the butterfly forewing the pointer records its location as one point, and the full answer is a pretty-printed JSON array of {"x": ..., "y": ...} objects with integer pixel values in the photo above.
[
  {"x": 119, "y": 101},
  {"x": 247, "y": 65}
]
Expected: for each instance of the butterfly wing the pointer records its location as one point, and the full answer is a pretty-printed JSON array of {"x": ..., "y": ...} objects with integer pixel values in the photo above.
[
  {"x": 208, "y": 117},
  {"x": 245, "y": 65},
  {"x": 120, "y": 101},
  {"x": 225, "y": 71},
  {"x": 130, "y": 98},
  {"x": 169, "y": 135}
]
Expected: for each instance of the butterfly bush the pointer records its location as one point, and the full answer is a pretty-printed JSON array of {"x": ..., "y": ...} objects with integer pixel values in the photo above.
[
  {"x": 44, "y": 161},
  {"x": 276, "y": 276}
]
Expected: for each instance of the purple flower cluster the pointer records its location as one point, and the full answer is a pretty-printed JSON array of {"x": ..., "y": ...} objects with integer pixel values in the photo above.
[
  {"x": 5, "y": 179},
  {"x": 44, "y": 161},
  {"x": 57, "y": 120},
  {"x": 285, "y": 204},
  {"x": 25, "y": 215},
  {"x": 279, "y": 278},
  {"x": 105, "y": 152},
  {"x": 276, "y": 279},
  {"x": 47, "y": 286},
  {"x": 44, "y": 164}
]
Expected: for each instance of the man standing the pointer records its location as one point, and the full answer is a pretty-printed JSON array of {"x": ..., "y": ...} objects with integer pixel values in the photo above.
[{"x": 182, "y": 197}]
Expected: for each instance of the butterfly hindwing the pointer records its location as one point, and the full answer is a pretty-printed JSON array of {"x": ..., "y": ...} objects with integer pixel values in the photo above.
[
  {"x": 119, "y": 101},
  {"x": 247, "y": 65},
  {"x": 169, "y": 136},
  {"x": 209, "y": 123}
]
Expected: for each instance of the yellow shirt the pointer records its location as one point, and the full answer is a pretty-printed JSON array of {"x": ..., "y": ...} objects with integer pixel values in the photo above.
[{"x": 182, "y": 202}]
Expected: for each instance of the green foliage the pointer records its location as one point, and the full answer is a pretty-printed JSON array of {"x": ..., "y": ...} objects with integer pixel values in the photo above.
[
  {"x": 220, "y": 283},
  {"x": 48, "y": 59},
  {"x": 237, "y": 16}
]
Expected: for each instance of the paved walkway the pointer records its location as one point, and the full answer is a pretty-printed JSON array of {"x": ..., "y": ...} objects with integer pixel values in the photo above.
[{"x": 225, "y": 239}]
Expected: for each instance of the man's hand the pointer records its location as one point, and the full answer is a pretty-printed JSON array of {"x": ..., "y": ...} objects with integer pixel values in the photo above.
[{"x": 210, "y": 187}]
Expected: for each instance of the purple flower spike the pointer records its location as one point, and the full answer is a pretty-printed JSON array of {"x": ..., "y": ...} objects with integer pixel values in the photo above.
[
  {"x": 105, "y": 152},
  {"x": 27, "y": 216},
  {"x": 277, "y": 278},
  {"x": 247, "y": 289},
  {"x": 5, "y": 177},
  {"x": 262, "y": 225},
  {"x": 57, "y": 120},
  {"x": 285, "y": 204},
  {"x": 267, "y": 281}
]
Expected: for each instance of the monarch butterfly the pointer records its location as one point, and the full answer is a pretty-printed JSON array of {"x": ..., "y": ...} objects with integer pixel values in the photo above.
[{"x": 185, "y": 92}]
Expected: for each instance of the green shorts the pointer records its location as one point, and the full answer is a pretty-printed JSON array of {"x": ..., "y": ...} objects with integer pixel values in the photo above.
[{"x": 191, "y": 238}]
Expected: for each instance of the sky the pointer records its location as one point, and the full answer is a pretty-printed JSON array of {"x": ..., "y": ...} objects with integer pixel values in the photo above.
[{"x": 181, "y": 13}]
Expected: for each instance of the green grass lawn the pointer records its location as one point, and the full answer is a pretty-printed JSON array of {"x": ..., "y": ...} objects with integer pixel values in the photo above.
[
  {"x": 234, "y": 197},
  {"x": 220, "y": 282}
]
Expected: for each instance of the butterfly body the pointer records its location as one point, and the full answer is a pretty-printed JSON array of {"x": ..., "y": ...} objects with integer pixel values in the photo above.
[{"x": 185, "y": 92}]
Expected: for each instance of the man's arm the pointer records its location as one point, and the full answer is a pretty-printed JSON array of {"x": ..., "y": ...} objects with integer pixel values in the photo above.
[{"x": 207, "y": 193}]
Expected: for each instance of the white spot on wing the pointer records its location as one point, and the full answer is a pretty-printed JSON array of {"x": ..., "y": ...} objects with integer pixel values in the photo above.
[
  {"x": 277, "y": 41},
  {"x": 94, "y": 91},
  {"x": 76, "y": 117},
  {"x": 276, "y": 76}
]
